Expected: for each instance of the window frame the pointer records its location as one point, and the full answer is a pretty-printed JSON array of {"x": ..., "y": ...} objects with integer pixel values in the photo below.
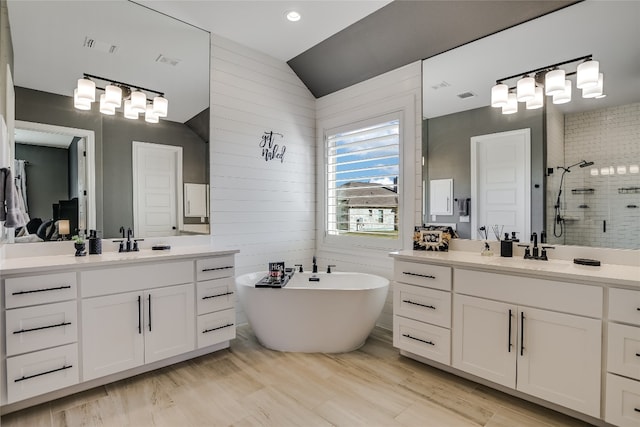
[{"x": 403, "y": 109}]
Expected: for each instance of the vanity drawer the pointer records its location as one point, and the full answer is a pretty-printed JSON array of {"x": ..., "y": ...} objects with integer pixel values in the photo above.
[
  {"x": 215, "y": 268},
  {"x": 432, "y": 342},
  {"x": 623, "y": 356},
  {"x": 423, "y": 304},
  {"x": 431, "y": 276},
  {"x": 624, "y": 305},
  {"x": 622, "y": 406},
  {"x": 117, "y": 280},
  {"x": 215, "y": 295},
  {"x": 41, "y": 372},
  {"x": 33, "y": 290},
  {"x": 35, "y": 328},
  {"x": 217, "y": 327}
]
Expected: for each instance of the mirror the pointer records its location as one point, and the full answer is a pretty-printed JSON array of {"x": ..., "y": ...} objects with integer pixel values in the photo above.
[
  {"x": 128, "y": 43},
  {"x": 600, "y": 203}
]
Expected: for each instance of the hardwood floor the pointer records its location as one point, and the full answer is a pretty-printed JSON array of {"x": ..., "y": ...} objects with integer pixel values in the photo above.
[{"x": 248, "y": 385}]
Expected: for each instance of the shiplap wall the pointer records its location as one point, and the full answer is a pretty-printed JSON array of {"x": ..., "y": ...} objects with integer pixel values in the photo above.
[
  {"x": 264, "y": 209},
  {"x": 404, "y": 81}
]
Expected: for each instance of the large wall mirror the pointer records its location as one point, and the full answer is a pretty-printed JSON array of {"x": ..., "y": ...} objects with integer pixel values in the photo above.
[
  {"x": 584, "y": 155},
  {"x": 140, "y": 175}
]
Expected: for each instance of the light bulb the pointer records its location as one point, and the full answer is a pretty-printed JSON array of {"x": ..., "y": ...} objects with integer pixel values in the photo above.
[
  {"x": 565, "y": 96},
  {"x": 499, "y": 95},
  {"x": 138, "y": 101},
  {"x": 86, "y": 90},
  {"x": 587, "y": 74},
  {"x": 554, "y": 82},
  {"x": 526, "y": 89},
  {"x": 160, "y": 106},
  {"x": 113, "y": 95}
]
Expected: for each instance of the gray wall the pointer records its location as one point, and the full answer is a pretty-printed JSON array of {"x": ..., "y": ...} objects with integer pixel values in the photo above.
[
  {"x": 447, "y": 147},
  {"x": 6, "y": 55},
  {"x": 113, "y": 136},
  {"x": 47, "y": 177}
]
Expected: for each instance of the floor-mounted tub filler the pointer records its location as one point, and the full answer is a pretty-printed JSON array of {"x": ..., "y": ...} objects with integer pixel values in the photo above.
[{"x": 332, "y": 315}]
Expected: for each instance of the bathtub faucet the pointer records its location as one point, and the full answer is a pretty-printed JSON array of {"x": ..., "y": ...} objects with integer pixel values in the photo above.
[{"x": 315, "y": 266}]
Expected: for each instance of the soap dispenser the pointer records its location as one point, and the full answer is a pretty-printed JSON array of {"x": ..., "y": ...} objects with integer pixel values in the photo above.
[
  {"x": 95, "y": 243},
  {"x": 506, "y": 246}
]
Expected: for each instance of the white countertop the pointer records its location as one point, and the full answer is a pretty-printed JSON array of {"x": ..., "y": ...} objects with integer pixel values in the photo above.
[
  {"x": 613, "y": 274},
  {"x": 37, "y": 264}
]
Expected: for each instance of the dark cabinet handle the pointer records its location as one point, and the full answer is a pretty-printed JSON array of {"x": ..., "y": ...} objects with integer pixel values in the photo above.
[
  {"x": 216, "y": 268},
  {"x": 218, "y": 295},
  {"x": 22, "y": 331},
  {"x": 149, "y": 313},
  {"x": 636, "y": 409},
  {"x": 510, "y": 345},
  {"x": 426, "y": 276},
  {"x": 139, "y": 314},
  {"x": 418, "y": 304},
  {"x": 418, "y": 339},
  {"x": 637, "y": 354},
  {"x": 219, "y": 327},
  {"x": 522, "y": 333},
  {"x": 43, "y": 373},
  {"x": 42, "y": 290}
]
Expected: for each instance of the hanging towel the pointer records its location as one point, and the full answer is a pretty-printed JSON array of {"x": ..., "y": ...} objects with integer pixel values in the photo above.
[
  {"x": 463, "y": 207},
  {"x": 10, "y": 212}
]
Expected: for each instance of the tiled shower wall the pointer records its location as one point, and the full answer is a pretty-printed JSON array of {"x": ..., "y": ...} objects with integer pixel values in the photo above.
[
  {"x": 555, "y": 158},
  {"x": 606, "y": 216}
]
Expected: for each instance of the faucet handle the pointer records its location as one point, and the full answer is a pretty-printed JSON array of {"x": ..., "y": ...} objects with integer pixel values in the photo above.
[
  {"x": 121, "y": 247},
  {"x": 135, "y": 244},
  {"x": 329, "y": 267}
]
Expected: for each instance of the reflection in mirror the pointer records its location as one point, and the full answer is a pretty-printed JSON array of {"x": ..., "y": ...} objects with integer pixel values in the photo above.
[
  {"x": 153, "y": 56},
  {"x": 598, "y": 200}
]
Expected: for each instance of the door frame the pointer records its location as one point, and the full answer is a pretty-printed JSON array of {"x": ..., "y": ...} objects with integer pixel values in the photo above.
[
  {"x": 527, "y": 177},
  {"x": 179, "y": 180}
]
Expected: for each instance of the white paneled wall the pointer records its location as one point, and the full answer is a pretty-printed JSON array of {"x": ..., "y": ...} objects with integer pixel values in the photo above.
[
  {"x": 266, "y": 209},
  {"x": 403, "y": 82}
]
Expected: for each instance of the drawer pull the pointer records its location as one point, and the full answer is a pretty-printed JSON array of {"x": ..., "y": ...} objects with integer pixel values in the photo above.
[
  {"x": 43, "y": 373},
  {"x": 418, "y": 304},
  {"x": 426, "y": 276},
  {"x": 636, "y": 409},
  {"x": 637, "y": 354},
  {"x": 217, "y": 268},
  {"x": 218, "y": 295},
  {"x": 418, "y": 339},
  {"x": 219, "y": 327},
  {"x": 22, "y": 331},
  {"x": 41, "y": 290}
]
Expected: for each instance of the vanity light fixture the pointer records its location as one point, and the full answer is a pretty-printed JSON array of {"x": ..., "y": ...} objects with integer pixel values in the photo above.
[
  {"x": 135, "y": 98},
  {"x": 552, "y": 80}
]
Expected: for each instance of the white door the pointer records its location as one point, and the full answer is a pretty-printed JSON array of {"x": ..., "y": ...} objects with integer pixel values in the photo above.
[
  {"x": 560, "y": 359},
  {"x": 112, "y": 334},
  {"x": 484, "y": 339},
  {"x": 169, "y": 322},
  {"x": 157, "y": 189},
  {"x": 501, "y": 182}
]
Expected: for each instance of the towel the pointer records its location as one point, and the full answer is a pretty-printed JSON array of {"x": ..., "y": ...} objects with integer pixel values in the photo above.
[
  {"x": 463, "y": 206},
  {"x": 10, "y": 212}
]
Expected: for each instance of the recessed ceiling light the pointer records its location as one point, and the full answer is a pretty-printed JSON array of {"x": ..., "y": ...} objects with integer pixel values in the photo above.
[{"x": 293, "y": 16}]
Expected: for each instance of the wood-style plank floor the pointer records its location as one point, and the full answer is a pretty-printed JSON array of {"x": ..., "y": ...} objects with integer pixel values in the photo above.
[{"x": 248, "y": 385}]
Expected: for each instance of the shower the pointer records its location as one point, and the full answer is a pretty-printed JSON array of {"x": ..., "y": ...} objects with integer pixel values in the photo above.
[{"x": 558, "y": 224}]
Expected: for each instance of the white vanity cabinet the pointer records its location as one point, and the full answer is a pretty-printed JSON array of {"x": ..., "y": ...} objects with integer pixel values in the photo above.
[
  {"x": 540, "y": 337},
  {"x": 622, "y": 398},
  {"x": 422, "y": 310},
  {"x": 125, "y": 330},
  {"x": 41, "y": 334}
]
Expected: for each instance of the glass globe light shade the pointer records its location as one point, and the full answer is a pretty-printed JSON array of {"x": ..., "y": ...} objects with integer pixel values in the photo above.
[
  {"x": 80, "y": 104},
  {"x": 150, "y": 116},
  {"x": 128, "y": 112},
  {"x": 594, "y": 91},
  {"x": 113, "y": 95},
  {"x": 138, "y": 101},
  {"x": 499, "y": 95},
  {"x": 160, "y": 106},
  {"x": 86, "y": 90},
  {"x": 554, "y": 82},
  {"x": 587, "y": 74},
  {"x": 512, "y": 105},
  {"x": 526, "y": 89},
  {"x": 537, "y": 101},
  {"x": 565, "y": 96},
  {"x": 106, "y": 108}
]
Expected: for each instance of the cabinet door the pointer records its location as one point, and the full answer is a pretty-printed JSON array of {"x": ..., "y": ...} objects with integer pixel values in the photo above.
[
  {"x": 560, "y": 359},
  {"x": 112, "y": 336},
  {"x": 169, "y": 322},
  {"x": 484, "y": 338}
]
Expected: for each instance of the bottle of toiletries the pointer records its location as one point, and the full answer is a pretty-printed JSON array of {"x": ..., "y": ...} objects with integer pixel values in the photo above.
[
  {"x": 506, "y": 246},
  {"x": 95, "y": 243}
]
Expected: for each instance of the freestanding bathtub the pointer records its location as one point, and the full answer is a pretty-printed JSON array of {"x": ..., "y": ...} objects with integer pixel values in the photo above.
[{"x": 333, "y": 315}]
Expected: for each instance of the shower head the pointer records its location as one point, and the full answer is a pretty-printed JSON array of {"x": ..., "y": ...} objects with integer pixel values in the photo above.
[
  {"x": 584, "y": 164},
  {"x": 581, "y": 163}
]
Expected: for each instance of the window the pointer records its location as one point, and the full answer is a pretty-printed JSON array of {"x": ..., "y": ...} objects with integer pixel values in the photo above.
[{"x": 363, "y": 169}]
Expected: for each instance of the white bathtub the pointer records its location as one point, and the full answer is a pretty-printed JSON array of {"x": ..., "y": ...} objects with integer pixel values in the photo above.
[{"x": 333, "y": 315}]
